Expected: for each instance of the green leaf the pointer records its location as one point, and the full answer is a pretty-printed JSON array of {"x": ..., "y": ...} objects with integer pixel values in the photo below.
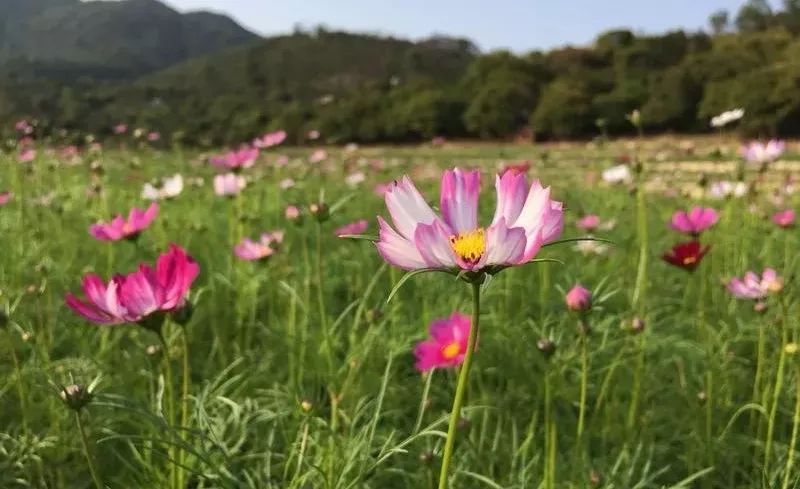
[
  {"x": 407, "y": 276},
  {"x": 365, "y": 237},
  {"x": 572, "y": 240}
]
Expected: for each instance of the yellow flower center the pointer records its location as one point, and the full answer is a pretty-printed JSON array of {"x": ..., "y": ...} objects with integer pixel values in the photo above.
[
  {"x": 689, "y": 260},
  {"x": 451, "y": 350},
  {"x": 469, "y": 246}
]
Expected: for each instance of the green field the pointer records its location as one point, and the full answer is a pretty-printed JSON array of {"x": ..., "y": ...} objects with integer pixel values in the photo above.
[{"x": 301, "y": 374}]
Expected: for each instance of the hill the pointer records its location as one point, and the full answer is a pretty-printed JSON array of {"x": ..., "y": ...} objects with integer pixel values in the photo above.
[{"x": 66, "y": 39}]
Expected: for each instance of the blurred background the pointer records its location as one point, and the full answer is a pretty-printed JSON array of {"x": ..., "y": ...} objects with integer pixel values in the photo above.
[{"x": 213, "y": 72}]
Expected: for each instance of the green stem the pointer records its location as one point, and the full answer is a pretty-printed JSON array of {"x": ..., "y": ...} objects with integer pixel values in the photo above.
[
  {"x": 795, "y": 425},
  {"x": 323, "y": 319},
  {"x": 759, "y": 372},
  {"x": 776, "y": 392},
  {"x": 20, "y": 386},
  {"x": 423, "y": 402},
  {"x": 85, "y": 442},
  {"x": 184, "y": 407},
  {"x": 547, "y": 421},
  {"x": 461, "y": 387},
  {"x": 169, "y": 395},
  {"x": 584, "y": 375},
  {"x": 640, "y": 286}
]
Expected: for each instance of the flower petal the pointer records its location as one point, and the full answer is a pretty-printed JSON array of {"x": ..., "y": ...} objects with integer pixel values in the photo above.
[
  {"x": 397, "y": 250},
  {"x": 459, "y": 199},
  {"x": 407, "y": 207},
  {"x": 511, "y": 195},
  {"x": 504, "y": 245},
  {"x": 434, "y": 245}
]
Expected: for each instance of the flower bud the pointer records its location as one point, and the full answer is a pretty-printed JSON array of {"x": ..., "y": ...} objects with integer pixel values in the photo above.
[
  {"x": 579, "y": 298},
  {"x": 702, "y": 397},
  {"x": 293, "y": 214},
  {"x": 760, "y": 306},
  {"x": 637, "y": 325},
  {"x": 320, "y": 211},
  {"x": 546, "y": 346},
  {"x": 306, "y": 406},
  {"x": 426, "y": 457},
  {"x": 75, "y": 396},
  {"x": 183, "y": 315},
  {"x": 595, "y": 479}
]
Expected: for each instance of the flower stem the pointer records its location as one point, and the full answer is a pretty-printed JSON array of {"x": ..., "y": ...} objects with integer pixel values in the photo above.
[
  {"x": 168, "y": 394},
  {"x": 85, "y": 442},
  {"x": 584, "y": 374},
  {"x": 776, "y": 392},
  {"x": 795, "y": 426},
  {"x": 184, "y": 406},
  {"x": 461, "y": 387},
  {"x": 20, "y": 386},
  {"x": 423, "y": 402}
]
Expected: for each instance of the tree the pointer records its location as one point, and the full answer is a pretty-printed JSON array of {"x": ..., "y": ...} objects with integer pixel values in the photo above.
[
  {"x": 754, "y": 16},
  {"x": 719, "y": 21}
]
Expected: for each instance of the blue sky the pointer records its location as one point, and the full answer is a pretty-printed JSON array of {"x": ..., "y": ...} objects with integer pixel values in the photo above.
[{"x": 519, "y": 25}]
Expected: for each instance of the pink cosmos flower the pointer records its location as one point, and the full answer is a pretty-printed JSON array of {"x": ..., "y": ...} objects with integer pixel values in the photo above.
[
  {"x": 784, "y": 219},
  {"x": 758, "y": 152},
  {"x": 292, "y": 213},
  {"x": 525, "y": 219},
  {"x": 244, "y": 157},
  {"x": 133, "y": 297},
  {"x": 313, "y": 134},
  {"x": 27, "y": 155},
  {"x": 357, "y": 227},
  {"x": 318, "y": 156},
  {"x": 229, "y": 184},
  {"x": 381, "y": 189},
  {"x": 121, "y": 228},
  {"x": 5, "y": 197},
  {"x": 250, "y": 250},
  {"x": 153, "y": 136},
  {"x": 120, "y": 129},
  {"x": 579, "y": 298},
  {"x": 355, "y": 179},
  {"x": 286, "y": 183},
  {"x": 270, "y": 139},
  {"x": 24, "y": 127},
  {"x": 281, "y": 161},
  {"x": 588, "y": 223},
  {"x": 751, "y": 286},
  {"x": 694, "y": 222},
  {"x": 447, "y": 345}
]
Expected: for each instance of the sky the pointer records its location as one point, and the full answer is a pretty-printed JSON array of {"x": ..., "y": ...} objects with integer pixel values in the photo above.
[{"x": 519, "y": 25}]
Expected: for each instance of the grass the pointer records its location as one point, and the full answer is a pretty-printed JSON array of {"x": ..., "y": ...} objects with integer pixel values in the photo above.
[{"x": 302, "y": 374}]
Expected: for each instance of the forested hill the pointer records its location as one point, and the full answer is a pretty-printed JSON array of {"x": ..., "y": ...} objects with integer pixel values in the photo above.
[
  {"x": 366, "y": 88},
  {"x": 66, "y": 39}
]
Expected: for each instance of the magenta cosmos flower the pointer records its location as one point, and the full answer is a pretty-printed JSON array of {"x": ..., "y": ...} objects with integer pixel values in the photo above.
[
  {"x": 525, "y": 219},
  {"x": 579, "y": 298},
  {"x": 244, "y": 157},
  {"x": 229, "y": 184},
  {"x": 447, "y": 345},
  {"x": 26, "y": 155},
  {"x": 265, "y": 247},
  {"x": 751, "y": 286},
  {"x": 357, "y": 227},
  {"x": 270, "y": 139},
  {"x": 694, "y": 222},
  {"x": 5, "y": 197},
  {"x": 132, "y": 298},
  {"x": 121, "y": 228},
  {"x": 758, "y": 152},
  {"x": 588, "y": 223},
  {"x": 784, "y": 219}
]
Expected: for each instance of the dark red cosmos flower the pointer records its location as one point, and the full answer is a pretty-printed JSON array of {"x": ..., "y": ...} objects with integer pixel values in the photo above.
[{"x": 686, "y": 255}]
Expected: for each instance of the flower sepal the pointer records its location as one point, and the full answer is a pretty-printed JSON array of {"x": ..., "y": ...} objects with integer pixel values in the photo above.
[{"x": 153, "y": 322}]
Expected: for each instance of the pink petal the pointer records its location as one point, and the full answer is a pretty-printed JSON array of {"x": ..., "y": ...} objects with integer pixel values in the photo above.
[
  {"x": 459, "y": 199},
  {"x": 434, "y": 245},
  {"x": 407, "y": 207},
  {"x": 504, "y": 246},
  {"x": 397, "y": 250}
]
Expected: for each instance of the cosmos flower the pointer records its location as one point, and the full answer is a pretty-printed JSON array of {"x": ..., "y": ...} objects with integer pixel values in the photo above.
[
  {"x": 447, "y": 344},
  {"x": 153, "y": 136},
  {"x": 588, "y": 223},
  {"x": 784, "y": 219},
  {"x": 132, "y": 298},
  {"x": 694, "y": 222},
  {"x": 579, "y": 298},
  {"x": 292, "y": 213},
  {"x": 686, "y": 255},
  {"x": 524, "y": 220},
  {"x": 244, "y": 157},
  {"x": 758, "y": 152},
  {"x": 26, "y": 155},
  {"x": 751, "y": 286},
  {"x": 286, "y": 183},
  {"x": 170, "y": 188},
  {"x": 120, "y": 129},
  {"x": 381, "y": 189},
  {"x": 313, "y": 134},
  {"x": 318, "y": 156},
  {"x": 724, "y": 189},
  {"x": 357, "y": 227},
  {"x": 355, "y": 179},
  {"x": 121, "y": 228},
  {"x": 727, "y": 117},
  {"x": 5, "y": 197},
  {"x": 229, "y": 184},
  {"x": 592, "y": 247},
  {"x": 617, "y": 174},
  {"x": 270, "y": 139}
]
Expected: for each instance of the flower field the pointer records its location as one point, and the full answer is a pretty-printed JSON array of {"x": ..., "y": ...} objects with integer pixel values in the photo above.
[{"x": 586, "y": 315}]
